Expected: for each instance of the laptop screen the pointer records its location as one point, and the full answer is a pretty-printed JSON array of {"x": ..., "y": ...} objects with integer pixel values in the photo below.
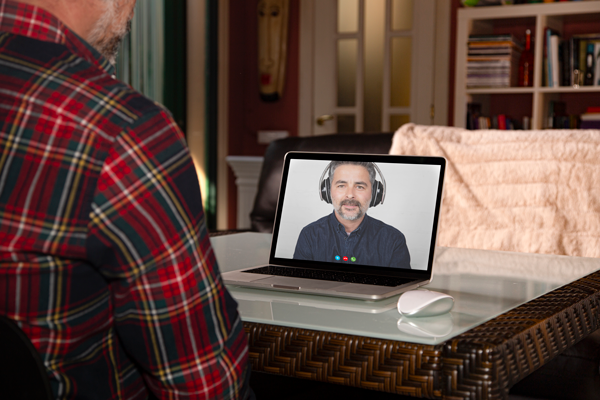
[{"x": 351, "y": 211}]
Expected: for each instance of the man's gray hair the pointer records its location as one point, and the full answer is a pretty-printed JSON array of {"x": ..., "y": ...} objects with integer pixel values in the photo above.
[{"x": 368, "y": 165}]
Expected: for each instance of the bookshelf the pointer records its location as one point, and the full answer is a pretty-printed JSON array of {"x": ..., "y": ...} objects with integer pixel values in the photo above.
[{"x": 568, "y": 18}]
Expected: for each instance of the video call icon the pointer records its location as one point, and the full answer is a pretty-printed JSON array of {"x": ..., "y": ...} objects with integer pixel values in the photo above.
[{"x": 345, "y": 258}]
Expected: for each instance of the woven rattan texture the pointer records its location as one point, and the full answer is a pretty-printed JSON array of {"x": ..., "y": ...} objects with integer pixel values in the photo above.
[
  {"x": 385, "y": 365},
  {"x": 486, "y": 361},
  {"x": 482, "y": 363}
]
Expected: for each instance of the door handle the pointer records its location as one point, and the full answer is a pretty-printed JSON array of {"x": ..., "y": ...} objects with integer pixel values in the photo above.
[{"x": 323, "y": 118}]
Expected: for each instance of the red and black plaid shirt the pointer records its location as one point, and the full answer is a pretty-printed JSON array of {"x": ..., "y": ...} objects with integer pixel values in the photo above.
[{"x": 105, "y": 261}]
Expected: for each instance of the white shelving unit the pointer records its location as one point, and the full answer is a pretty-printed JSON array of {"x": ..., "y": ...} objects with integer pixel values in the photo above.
[{"x": 488, "y": 20}]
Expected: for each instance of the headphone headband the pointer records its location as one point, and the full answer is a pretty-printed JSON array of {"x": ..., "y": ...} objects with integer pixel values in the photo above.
[{"x": 377, "y": 191}]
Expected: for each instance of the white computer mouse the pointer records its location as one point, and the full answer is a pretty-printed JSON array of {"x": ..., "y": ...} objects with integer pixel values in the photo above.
[{"x": 424, "y": 303}]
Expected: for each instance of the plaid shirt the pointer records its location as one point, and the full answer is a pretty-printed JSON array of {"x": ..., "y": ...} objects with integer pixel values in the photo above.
[{"x": 105, "y": 261}]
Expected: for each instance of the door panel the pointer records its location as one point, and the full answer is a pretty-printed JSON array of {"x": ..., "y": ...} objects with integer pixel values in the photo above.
[
  {"x": 373, "y": 64},
  {"x": 325, "y": 45}
]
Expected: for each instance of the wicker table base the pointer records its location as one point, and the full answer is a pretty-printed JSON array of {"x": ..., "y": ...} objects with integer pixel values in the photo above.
[{"x": 483, "y": 363}]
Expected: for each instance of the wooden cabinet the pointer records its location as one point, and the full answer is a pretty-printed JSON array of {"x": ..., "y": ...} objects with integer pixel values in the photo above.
[{"x": 567, "y": 18}]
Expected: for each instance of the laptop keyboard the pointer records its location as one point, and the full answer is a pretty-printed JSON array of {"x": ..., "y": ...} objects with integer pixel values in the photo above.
[{"x": 348, "y": 277}]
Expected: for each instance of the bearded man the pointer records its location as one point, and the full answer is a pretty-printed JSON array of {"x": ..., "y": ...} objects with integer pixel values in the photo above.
[
  {"x": 105, "y": 260},
  {"x": 349, "y": 235}
]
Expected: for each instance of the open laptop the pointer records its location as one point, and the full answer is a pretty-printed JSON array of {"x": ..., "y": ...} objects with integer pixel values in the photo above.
[{"x": 390, "y": 205}]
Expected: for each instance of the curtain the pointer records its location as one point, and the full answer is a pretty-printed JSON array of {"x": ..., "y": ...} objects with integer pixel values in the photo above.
[{"x": 141, "y": 60}]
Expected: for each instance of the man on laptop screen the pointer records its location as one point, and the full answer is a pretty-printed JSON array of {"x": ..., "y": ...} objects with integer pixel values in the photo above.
[{"x": 348, "y": 234}]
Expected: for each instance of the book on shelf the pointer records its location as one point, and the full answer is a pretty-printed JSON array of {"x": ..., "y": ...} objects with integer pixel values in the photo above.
[
  {"x": 589, "y": 125},
  {"x": 597, "y": 64},
  {"x": 588, "y": 79},
  {"x": 554, "y": 65},
  {"x": 574, "y": 61},
  {"x": 501, "y": 121},
  {"x": 558, "y": 117},
  {"x": 551, "y": 57},
  {"x": 556, "y": 110},
  {"x": 563, "y": 50},
  {"x": 473, "y": 113},
  {"x": 484, "y": 123},
  {"x": 591, "y": 118},
  {"x": 507, "y": 37},
  {"x": 589, "y": 121},
  {"x": 592, "y": 110},
  {"x": 581, "y": 64}
]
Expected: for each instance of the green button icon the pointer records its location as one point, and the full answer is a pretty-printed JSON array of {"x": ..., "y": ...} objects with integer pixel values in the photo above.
[{"x": 353, "y": 259}]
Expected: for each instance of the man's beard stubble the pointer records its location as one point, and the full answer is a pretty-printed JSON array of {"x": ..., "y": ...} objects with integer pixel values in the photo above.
[
  {"x": 361, "y": 210},
  {"x": 104, "y": 37}
]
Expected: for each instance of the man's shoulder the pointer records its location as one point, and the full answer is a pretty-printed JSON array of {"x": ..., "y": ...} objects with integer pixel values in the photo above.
[
  {"x": 85, "y": 88},
  {"x": 121, "y": 103},
  {"x": 382, "y": 226},
  {"x": 318, "y": 224}
]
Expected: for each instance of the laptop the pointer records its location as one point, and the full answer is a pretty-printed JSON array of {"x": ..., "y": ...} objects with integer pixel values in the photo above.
[{"x": 360, "y": 226}]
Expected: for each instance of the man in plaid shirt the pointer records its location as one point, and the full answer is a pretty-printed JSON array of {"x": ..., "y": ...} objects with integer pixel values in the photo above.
[{"x": 105, "y": 260}]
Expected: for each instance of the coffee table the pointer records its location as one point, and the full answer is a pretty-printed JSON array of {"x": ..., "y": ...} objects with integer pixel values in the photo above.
[{"x": 513, "y": 313}]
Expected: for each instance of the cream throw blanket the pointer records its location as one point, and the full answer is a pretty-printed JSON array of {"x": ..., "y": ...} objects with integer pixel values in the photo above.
[{"x": 525, "y": 191}]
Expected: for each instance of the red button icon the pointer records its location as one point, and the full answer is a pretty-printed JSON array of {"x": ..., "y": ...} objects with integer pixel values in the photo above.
[{"x": 345, "y": 258}]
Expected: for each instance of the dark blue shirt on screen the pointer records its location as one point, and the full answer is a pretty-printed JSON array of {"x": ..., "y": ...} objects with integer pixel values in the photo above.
[{"x": 372, "y": 243}]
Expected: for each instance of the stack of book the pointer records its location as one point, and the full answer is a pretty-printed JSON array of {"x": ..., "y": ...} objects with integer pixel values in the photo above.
[
  {"x": 475, "y": 120},
  {"x": 492, "y": 61},
  {"x": 591, "y": 118}
]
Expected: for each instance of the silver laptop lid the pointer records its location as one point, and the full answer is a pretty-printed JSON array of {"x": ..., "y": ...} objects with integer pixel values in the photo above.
[{"x": 394, "y": 201}]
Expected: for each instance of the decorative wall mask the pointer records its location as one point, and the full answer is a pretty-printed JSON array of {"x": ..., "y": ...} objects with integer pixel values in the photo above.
[{"x": 273, "y": 20}]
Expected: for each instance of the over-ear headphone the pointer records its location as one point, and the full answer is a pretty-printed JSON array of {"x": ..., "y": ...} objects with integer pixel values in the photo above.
[{"x": 377, "y": 193}]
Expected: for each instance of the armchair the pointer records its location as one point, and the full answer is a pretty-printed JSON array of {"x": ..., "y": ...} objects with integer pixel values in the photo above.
[
  {"x": 262, "y": 216},
  {"x": 22, "y": 373}
]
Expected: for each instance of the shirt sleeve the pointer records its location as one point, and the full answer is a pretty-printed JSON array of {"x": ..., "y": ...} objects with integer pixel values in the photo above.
[
  {"x": 400, "y": 255},
  {"x": 147, "y": 236},
  {"x": 303, "y": 246}
]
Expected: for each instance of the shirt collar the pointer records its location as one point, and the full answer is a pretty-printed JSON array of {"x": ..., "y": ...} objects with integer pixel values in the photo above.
[
  {"x": 37, "y": 23},
  {"x": 363, "y": 225}
]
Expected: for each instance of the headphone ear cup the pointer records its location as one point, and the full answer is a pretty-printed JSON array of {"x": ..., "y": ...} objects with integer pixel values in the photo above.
[
  {"x": 373, "y": 194},
  {"x": 325, "y": 190},
  {"x": 376, "y": 194}
]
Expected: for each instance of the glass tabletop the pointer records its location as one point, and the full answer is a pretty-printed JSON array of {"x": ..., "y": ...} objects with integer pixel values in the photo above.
[{"x": 484, "y": 284}]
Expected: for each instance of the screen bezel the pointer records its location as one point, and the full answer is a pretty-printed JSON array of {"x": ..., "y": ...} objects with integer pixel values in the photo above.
[{"x": 359, "y": 268}]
